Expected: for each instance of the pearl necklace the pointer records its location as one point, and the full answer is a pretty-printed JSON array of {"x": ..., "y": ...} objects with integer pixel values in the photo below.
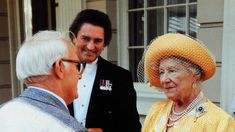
[{"x": 189, "y": 108}]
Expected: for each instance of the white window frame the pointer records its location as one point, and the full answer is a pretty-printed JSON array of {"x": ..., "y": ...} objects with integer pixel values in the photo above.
[{"x": 146, "y": 95}]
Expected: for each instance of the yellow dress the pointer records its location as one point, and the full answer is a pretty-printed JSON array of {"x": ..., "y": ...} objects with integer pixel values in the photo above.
[{"x": 206, "y": 117}]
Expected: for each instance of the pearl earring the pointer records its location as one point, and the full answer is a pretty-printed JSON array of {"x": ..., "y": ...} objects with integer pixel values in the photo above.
[{"x": 194, "y": 85}]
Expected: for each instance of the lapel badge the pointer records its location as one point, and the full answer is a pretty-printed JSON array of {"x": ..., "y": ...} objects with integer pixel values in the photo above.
[{"x": 105, "y": 85}]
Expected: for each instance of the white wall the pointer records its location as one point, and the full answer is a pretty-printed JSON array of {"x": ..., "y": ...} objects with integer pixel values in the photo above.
[
  {"x": 66, "y": 12},
  {"x": 210, "y": 17}
]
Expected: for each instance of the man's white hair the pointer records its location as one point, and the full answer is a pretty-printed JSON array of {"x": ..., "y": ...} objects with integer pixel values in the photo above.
[{"x": 38, "y": 54}]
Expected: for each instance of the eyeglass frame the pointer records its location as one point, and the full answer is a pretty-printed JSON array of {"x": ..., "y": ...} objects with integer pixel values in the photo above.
[
  {"x": 72, "y": 37},
  {"x": 79, "y": 64}
]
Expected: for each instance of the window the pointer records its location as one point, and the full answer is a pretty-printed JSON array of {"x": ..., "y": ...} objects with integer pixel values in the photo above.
[{"x": 148, "y": 19}]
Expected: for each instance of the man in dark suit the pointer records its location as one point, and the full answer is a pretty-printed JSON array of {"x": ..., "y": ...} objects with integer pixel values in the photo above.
[
  {"x": 107, "y": 99},
  {"x": 47, "y": 64}
]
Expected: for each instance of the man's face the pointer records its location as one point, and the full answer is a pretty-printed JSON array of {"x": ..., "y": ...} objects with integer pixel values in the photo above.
[
  {"x": 90, "y": 42},
  {"x": 72, "y": 75}
]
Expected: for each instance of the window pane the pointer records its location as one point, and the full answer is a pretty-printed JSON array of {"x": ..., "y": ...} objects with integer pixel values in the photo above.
[
  {"x": 155, "y": 24},
  {"x": 176, "y": 19},
  {"x": 193, "y": 23},
  {"x": 136, "y": 4},
  {"x": 135, "y": 56},
  {"x": 136, "y": 28},
  {"x": 192, "y": 0},
  {"x": 155, "y": 2},
  {"x": 169, "y": 2}
]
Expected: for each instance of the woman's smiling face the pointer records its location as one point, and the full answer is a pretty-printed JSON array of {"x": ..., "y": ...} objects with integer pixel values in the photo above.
[{"x": 176, "y": 79}]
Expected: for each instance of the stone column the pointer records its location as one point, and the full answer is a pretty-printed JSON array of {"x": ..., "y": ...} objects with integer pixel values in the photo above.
[{"x": 228, "y": 56}]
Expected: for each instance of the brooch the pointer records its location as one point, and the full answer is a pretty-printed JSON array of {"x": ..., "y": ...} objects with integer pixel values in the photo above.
[
  {"x": 200, "y": 110},
  {"x": 105, "y": 85}
]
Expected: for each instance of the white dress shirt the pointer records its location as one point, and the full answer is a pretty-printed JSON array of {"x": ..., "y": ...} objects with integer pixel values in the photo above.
[{"x": 85, "y": 85}]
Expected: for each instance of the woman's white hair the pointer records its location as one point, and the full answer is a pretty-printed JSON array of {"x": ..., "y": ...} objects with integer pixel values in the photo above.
[{"x": 38, "y": 54}]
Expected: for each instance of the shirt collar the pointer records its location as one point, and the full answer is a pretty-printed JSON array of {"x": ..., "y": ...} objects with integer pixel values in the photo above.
[
  {"x": 51, "y": 93},
  {"x": 94, "y": 62},
  {"x": 91, "y": 66}
]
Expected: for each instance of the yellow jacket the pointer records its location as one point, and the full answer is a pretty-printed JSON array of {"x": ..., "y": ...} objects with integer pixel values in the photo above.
[{"x": 211, "y": 119}]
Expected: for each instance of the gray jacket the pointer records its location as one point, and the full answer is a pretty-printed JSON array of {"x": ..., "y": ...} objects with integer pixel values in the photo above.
[{"x": 36, "y": 110}]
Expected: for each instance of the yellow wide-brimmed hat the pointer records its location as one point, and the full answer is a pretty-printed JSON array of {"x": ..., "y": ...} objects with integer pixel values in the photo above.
[{"x": 177, "y": 45}]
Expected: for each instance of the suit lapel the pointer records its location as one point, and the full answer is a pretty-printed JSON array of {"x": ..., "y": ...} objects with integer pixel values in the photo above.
[{"x": 95, "y": 111}]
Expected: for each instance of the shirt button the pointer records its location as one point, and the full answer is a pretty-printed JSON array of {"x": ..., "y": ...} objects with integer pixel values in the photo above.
[
  {"x": 84, "y": 86},
  {"x": 82, "y": 105}
]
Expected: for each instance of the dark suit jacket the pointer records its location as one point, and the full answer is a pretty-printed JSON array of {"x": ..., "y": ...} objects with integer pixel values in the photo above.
[{"x": 115, "y": 110}]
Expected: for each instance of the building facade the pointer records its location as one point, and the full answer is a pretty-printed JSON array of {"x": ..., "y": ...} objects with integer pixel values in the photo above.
[{"x": 134, "y": 24}]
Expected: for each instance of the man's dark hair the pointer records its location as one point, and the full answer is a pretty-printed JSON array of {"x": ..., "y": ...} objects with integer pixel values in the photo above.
[{"x": 93, "y": 17}]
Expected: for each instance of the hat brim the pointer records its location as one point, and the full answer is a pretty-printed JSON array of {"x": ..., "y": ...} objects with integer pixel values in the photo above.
[{"x": 173, "y": 44}]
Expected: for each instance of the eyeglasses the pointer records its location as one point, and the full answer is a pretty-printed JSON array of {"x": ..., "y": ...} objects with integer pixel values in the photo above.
[
  {"x": 70, "y": 36},
  {"x": 80, "y": 66}
]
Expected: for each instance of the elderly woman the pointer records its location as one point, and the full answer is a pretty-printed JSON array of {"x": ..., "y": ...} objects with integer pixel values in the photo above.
[{"x": 177, "y": 64}]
